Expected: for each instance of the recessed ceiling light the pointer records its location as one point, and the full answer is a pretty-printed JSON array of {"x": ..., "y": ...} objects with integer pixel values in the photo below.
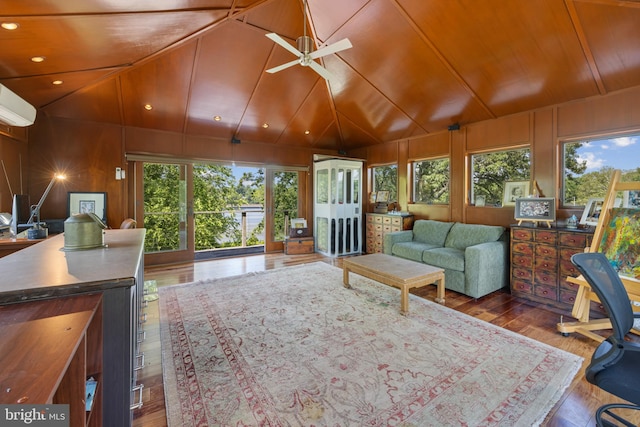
[
  {"x": 148, "y": 107},
  {"x": 217, "y": 118},
  {"x": 57, "y": 82},
  {"x": 9, "y": 25},
  {"x": 37, "y": 59},
  {"x": 265, "y": 125},
  {"x": 307, "y": 132}
]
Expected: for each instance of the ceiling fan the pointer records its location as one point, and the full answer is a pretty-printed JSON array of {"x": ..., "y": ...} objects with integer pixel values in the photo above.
[{"x": 305, "y": 53}]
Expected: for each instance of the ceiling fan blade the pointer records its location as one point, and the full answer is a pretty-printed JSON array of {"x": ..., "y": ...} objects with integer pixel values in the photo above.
[
  {"x": 321, "y": 70},
  {"x": 282, "y": 42},
  {"x": 283, "y": 66},
  {"x": 332, "y": 48}
]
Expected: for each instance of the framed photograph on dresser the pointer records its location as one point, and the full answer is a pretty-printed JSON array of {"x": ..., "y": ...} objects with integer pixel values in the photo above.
[{"x": 536, "y": 209}]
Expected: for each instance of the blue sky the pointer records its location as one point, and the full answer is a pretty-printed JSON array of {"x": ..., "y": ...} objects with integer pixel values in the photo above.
[{"x": 619, "y": 153}]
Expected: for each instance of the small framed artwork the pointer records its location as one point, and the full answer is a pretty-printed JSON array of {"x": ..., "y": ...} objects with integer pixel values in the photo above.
[
  {"x": 480, "y": 200},
  {"x": 382, "y": 197},
  {"x": 514, "y": 190},
  {"x": 93, "y": 202},
  {"x": 536, "y": 209},
  {"x": 631, "y": 199},
  {"x": 592, "y": 210},
  {"x": 298, "y": 223},
  {"x": 372, "y": 197}
]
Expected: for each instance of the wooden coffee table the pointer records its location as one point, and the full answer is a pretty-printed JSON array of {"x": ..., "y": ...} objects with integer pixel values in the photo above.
[{"x": 397, "y": 272}]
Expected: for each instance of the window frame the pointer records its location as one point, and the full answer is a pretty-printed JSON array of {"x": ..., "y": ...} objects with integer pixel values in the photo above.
[
  {"x": 414, "y": 185},
  {"x": 471, "y": 194}
]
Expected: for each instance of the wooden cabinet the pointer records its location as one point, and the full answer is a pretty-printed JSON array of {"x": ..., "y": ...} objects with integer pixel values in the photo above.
[
  {"x": 45, "y": 272},
  {"x": 380, "y": 224},
  {"x": 541, "y": 262},
  {"x": 63, "y": 343}
]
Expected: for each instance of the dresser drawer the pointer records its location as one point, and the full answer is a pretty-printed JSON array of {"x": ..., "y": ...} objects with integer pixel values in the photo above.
[
  {"x": 520, "y": 234},
  {"x": 566, "y": 266},
  {"x": 548, "y": 264},
  {"x": 548, "y": 237},
  {"x": 522, "y": 286},
  {"x": 397, "y": 221},
  {"x": 543, "y": 277},
  {"x": 573, "y": 240},
  {"x": 523, "y": 261},
  {"x": 546, "y": 251},
  {"x": 522, "y": 248},
  {"x": 568, "y": 296},
  {"x": 522, "y": 273},
  {"x": 548, "y": 292}
]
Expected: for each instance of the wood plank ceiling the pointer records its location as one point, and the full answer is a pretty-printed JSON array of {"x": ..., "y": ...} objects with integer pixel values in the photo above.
[{"x": 416, "y": 66}]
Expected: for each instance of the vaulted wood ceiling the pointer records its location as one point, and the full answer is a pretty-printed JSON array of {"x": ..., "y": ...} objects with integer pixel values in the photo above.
[{"x": 416, "y": 66}]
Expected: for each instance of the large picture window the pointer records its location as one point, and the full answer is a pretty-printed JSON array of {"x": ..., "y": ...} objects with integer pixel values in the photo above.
[
  {"x": 588, "y": 165},
  {"x": 385, "y": 178},
  {"x": 431, "y": 181},
  {"x": 491, "y": 171}
]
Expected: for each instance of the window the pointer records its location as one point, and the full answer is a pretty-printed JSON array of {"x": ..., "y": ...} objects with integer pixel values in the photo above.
[
  {"x": 431, "y": 181},
  {"x": 385, "y": 178},
  {"x": 588, "y": 165},
  {"x": 490, "y": 171}
]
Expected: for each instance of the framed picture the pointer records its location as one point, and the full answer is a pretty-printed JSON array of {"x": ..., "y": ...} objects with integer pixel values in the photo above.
[
  {"x": 298, "y": 223},
  {"x": 592, "y": 210},
  {"x": 372, "y": 197},
  {"x": 514, "y": 190},
  {"x": 480, "y": 200},
  {"x": 382, "y": 197},
  {"x": 95, "y": 203},
  {"x": 631, "y": 199},
  {"x": 536, "y": 209}
]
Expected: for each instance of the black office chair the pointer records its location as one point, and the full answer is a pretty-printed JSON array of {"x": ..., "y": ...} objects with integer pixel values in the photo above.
[{"x": 615, "y": 364}]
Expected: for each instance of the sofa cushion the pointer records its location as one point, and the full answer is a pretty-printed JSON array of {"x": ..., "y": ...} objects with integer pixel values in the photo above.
[
  {"x": 430, "y": 231},
  {"x": 411, "y": 250},
  {"x": 463, "y": 235},
  {"x": 450, "y": 258}
]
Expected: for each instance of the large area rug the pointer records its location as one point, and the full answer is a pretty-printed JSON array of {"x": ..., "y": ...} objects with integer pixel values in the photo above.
[{"x": 293, "y": 347}]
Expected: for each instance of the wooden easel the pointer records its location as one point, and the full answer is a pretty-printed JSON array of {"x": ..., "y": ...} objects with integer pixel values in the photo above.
[{"x": 585, "y": 295}]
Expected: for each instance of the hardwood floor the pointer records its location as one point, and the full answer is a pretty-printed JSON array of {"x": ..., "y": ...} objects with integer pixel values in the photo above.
[{"x": 575, "y": 408}]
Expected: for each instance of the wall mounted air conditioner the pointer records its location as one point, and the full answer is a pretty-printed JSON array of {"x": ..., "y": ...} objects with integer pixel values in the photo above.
[{"x": 14, "y": 110}]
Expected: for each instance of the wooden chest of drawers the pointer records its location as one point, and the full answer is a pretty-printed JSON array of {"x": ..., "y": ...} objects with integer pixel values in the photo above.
[
  {"x": 541, "y": 263},
  {"x": 380, "y": 224}
]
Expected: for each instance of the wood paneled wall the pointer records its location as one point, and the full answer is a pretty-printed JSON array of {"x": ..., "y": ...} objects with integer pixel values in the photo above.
[
  {"x": 542, "y": 131},
  {"x": 90, "y": 152},
  {"x": 14, "y": 153}
]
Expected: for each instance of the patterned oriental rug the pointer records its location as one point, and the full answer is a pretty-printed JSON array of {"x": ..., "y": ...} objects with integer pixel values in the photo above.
[{"x": 293, "y": 347}]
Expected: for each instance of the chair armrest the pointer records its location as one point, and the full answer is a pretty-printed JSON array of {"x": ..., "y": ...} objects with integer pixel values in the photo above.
[
  {"x": 486, "y": 266},
  {"x": 394, "y": 237}
]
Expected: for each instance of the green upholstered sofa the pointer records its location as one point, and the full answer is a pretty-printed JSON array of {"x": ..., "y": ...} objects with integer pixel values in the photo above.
[{"x": 475, "y": 258}]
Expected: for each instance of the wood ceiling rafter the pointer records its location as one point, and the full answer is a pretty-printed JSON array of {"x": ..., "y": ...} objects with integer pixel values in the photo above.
[
  {"x": 426, "y": 40},
  {"x": 192, "y": 78},
  {"x": 332, "y": 102},
  {"x": 582, "y": 39}
]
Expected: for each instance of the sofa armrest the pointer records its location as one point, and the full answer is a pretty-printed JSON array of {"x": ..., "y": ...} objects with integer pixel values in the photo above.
[
  {"x": 486, "y": 267},
  {"x": 394, "y": 237}
]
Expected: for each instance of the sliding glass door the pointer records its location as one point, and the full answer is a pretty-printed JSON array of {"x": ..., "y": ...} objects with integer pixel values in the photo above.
[
  {"x": 167, "y": 212},
  {"x": 200, "y": 211}
]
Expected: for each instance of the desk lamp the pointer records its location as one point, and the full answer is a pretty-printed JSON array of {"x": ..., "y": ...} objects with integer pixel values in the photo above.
[{"x": 37, "y": 232}]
